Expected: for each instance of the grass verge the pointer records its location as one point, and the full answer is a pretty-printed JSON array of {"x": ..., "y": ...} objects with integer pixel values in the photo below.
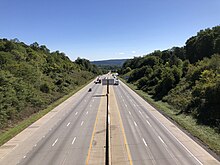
[
  {"x": 206, "y": 135},
  {"x": 11, "y": 132}
]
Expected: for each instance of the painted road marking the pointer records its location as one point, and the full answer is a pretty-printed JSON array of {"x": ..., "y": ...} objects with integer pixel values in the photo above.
[
  {"x": 93, "y": 132},
  {"x": 161, "y": 139},
  {"x": 144, "y": 142},
  {"x": 68, "y": 124},
  {"x": 73, "y": 140},
  {"x": 129, "y": 112},
  {"x": 135, "y": 123},
  {"x": 82, "y": 123},
  {"x": 109, "y": 119},
  {"x": 76, "y": 113},
  {"x": 179, "y": 142},
  {"x": 87, "y": 113},
  {"x": 55, "y": 142},
  {"x": 24, "y": 156},
  {"x": 148, "y": 123}
]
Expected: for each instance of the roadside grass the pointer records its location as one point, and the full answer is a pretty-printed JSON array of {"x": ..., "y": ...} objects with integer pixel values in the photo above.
[
  {"x": 206, "y": 135},
  {"x": 11, "y": 132}
]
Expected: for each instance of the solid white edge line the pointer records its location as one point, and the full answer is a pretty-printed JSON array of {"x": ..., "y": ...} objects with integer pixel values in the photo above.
[
  {"x": 171, "y": 133},
  {"x": 73, "y": 140},
  {"x": 179, "y": 142}
]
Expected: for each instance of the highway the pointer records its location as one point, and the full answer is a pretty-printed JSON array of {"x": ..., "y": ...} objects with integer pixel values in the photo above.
[
  {"x": 72, "y": 133},
  {"x": 71, "y": 136},
  {"x": 67, "y": 135},
  {"x": 149, "y": 140}
]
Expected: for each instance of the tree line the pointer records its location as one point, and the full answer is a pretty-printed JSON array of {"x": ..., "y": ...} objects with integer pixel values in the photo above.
[
  {"x": 188, "y": 77},
  {"x": 32, "y": 77}
]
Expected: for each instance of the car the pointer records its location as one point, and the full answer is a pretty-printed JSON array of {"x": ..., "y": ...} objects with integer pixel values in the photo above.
[{"x": 90, "y": 90}]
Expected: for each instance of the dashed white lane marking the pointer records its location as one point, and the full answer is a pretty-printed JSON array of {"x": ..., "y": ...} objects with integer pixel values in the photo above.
[
  {"x": 126, "y": 105},
  {"x": 76, "y": 113},
  {"x": 82, "y": 123},
  {"x": 129, "y": 112},
  {"x": 24, "y": 156},
  {"x": 73, "y": 140},
  {"x": 140, "y": 112},
  {"x": 84, "y": 100},
  {"x": 43, "y": 137},
  {"x": 68, "y": 124},
  {"x": 144, "y": 142},
  {"x": 135, "y": 123},
  {"x": 161, "y": 139},
  {"x": 35, "y": 145},
  {"x": 90, "y": 105},
  {"x": 55, "y": 142},
  {"x": 180, "y": 142},
  {"x": 87, "y": 113},
  {"x": 148, "y": 123}
]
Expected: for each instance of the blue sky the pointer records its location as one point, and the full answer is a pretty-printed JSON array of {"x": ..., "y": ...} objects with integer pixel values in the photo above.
[{"x": 106, "y": 29}]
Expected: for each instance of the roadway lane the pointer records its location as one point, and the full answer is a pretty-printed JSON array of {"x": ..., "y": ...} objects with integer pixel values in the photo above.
[
  {"x": 68, "y": 142},
  {"x": 66, "y": 136},
  {"x": 150, "y": 142}
]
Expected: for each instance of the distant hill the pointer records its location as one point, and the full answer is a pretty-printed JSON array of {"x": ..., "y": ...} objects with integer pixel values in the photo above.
[{"x": 115, "y": 62}]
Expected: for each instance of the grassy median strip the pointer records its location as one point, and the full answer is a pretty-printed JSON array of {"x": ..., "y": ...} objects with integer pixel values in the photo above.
[
  {"x": 11, "y": 132},
  {"x": 208, "y": 136}
]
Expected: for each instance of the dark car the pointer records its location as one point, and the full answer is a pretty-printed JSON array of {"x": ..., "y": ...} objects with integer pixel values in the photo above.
[{"x": 90, "y": 89}]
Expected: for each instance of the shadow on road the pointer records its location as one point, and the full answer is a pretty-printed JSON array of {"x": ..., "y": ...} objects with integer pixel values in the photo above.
[{"x": 98, "y": 95}]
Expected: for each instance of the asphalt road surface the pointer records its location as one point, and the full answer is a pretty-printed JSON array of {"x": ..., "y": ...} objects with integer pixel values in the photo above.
[
  {"x": 69, "y": 140},
  {"x": 149, "y": 141},
  {"x": 65, "y": 135}
]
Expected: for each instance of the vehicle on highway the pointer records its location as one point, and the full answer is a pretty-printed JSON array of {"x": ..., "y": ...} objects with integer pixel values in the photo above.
[
  {"x": 116, "y": 82},
  {"x": 98, "y": 81},
  {"x": 90, "y": 90}
]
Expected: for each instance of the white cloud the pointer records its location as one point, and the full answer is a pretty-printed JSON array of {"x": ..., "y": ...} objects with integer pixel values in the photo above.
[
  {"x": 133, "y": 52},
  {"x": 121, "y": 53}
]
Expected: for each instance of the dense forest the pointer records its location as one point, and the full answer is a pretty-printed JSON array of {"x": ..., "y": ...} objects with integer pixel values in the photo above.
[
  {"x": 188, "y": 77},
  {"x": 32, "y": 77}
]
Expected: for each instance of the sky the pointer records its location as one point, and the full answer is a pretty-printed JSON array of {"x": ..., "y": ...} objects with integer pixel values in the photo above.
[{"x": 106, "y": 29}]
